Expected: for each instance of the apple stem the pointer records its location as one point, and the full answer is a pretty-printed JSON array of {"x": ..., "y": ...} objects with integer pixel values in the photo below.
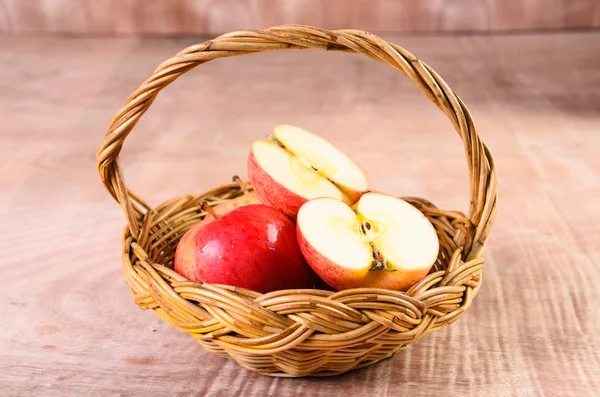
[
  {"x": 275, "y": 140},
  {"x": 379, "y": 262},
  {"x": 208, "y": 209},
  {"x": 240, "y": 182},
  {"x": 377, "y": 265}
]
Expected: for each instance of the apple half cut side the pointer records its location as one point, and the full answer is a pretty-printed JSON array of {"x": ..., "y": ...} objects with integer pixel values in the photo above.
[
  {"x": 381, "y": 242},
  {"x": 296, "y": 166}
]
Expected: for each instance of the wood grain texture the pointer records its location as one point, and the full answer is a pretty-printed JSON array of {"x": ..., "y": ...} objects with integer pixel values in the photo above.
[
  {"x": 169, "y": 17},
  {"x": 69, "y": 325}
]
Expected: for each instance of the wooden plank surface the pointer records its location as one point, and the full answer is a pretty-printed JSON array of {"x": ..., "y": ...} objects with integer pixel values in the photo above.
[
  {"x": 69, "y": 326},
  {"x": 168, "y": 17}
]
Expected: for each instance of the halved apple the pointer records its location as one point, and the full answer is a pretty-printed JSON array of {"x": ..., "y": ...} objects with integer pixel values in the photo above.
[
  {"x": 296, "y": 166},
  {"x": 381, "y": 242}
]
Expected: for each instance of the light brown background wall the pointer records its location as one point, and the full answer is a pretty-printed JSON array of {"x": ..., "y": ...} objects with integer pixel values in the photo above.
[{"x": 151, "y": 17}]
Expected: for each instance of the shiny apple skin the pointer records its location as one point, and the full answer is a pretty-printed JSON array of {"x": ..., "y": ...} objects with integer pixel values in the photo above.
[{"x": 253, "y": 247}]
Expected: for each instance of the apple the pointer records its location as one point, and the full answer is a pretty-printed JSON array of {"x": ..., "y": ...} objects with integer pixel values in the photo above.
[
  {"x": 247, "y": 198},
  {"x": 381, "y": 242},
  {"x": 253, "y": 247},
  {"x": 229, "y": 205},
  {"x": 295, "y": 166}
]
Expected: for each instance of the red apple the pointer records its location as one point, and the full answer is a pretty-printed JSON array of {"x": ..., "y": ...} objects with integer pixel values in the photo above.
[
  {"x": 382, "y": 242},
  {"x": 296, "y": 166},
  {"x": 230, "y": 205},
  {"x": 253, "y": 247}
]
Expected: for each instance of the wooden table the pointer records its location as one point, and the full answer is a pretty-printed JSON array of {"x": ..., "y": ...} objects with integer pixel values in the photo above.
[{"x": 69, "y": 326}]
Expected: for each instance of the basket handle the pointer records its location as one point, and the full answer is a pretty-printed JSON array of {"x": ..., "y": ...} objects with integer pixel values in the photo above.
[{"x": 482, "y": 173}]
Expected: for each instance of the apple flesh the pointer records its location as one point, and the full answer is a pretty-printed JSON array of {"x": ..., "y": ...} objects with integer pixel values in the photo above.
[
  {"x": 296, "y": 166},
  {"x": 253, "y": 247},
  {"x": 382, "y": 242}
]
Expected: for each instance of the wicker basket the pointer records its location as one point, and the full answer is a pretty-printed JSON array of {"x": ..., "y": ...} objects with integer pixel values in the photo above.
[{"x": 299, "y": 332}]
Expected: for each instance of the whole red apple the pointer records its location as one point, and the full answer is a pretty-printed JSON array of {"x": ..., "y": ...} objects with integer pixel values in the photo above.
[{"x": 253, "y": 247}]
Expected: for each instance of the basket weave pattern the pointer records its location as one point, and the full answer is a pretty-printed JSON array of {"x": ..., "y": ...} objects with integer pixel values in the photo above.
[{"x": 299, "y": 332}]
